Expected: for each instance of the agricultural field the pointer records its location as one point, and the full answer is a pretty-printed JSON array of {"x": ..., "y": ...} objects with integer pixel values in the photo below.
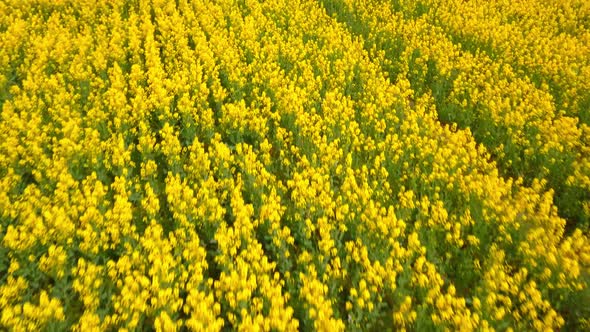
[{"x": 283, "y": 165}]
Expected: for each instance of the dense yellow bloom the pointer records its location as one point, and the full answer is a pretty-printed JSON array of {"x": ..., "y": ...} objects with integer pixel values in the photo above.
[{"x": 294, "y": 165}]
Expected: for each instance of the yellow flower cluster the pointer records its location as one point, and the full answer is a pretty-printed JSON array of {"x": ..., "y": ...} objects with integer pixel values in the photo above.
[
  {"x": 534, "y": 127},
  {"x": 293, "y": 165},
  {"x": 539, "y": 39}
]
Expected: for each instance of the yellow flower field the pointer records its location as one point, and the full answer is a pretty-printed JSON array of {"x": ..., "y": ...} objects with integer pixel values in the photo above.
[{"x": 282, "y": 165}]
